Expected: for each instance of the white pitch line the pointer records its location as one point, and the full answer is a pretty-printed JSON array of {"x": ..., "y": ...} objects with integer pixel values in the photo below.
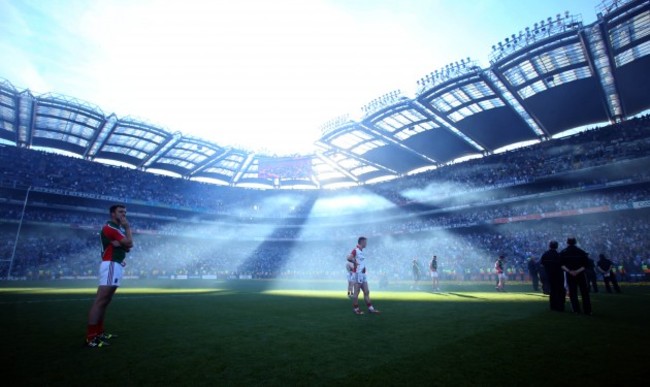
[{"x": 92, "y": 298}]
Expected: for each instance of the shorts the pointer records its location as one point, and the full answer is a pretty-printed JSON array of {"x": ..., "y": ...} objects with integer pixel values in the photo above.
[
  {"x": 434, "y": 274},
  {"x": 110, "y": 273},
  {"x": 361, "y": 278},
  {"x": 352, "y": 276},
  {"x": 502, "y": 276}
]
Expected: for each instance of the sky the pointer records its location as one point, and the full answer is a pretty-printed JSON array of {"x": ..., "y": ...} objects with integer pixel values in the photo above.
[{"x": 263, "y": 75}]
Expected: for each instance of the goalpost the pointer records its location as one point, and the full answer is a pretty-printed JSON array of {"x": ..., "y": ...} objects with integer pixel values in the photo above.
[{"x": 20, "y": 225}]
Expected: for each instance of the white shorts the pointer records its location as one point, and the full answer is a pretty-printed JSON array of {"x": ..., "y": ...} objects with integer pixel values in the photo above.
[
  {"x": 502, "y": 276},
  {"x": 434, "y": 274},
  {"x": 352, "y": 276},
  {"x": 110, "y": 273},
  {"x": 361, "y": 278}
]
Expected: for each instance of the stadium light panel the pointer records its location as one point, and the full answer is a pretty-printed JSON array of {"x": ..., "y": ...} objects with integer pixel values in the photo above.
[
  {"x": 164, "y": 172},
  {"x": 421, "y": 170},
  {"x": 515, "y": 146},
  {"x": 381, "y": 179},
  {"x": 465, "y": 158},
  {"x": 209, "y": 180}
]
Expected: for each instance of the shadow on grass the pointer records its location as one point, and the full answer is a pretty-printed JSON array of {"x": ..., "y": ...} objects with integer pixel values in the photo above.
[{"x": 464, "y": 296}]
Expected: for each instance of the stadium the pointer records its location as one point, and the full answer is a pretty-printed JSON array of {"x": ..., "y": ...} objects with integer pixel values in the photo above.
[{"x": 237, "y": 271}]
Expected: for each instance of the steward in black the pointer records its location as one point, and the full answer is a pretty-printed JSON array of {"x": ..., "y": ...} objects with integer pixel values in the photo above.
[{"x": 574, "y": 262}]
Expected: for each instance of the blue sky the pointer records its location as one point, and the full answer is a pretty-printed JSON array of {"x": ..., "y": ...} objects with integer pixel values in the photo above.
[{"x": 253, "y": 73}]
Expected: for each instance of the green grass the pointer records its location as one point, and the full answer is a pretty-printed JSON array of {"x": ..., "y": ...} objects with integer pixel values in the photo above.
[{"x": 247, "y": 333}]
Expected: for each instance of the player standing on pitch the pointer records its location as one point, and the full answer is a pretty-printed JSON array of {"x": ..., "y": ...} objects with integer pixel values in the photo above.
[
  {"x": 116, "y": 241},
  {"x": 416, "y": 274},
  {"x": 358, "y": 257},
  {"x": 351, "y": 268},
  {"x": 433, "y": 267},
  {"x": 500, "y": 268}
]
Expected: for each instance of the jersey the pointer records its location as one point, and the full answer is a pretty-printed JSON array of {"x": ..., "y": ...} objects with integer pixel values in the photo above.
[
  {"x": 112, "y": 232},
  {"x": 605, "y": 265},
  {"x": 416, "y": 268},
  {"x": 360, "y": 257},
  {"x": 433, "y": 265},
  {"x": 499, "y": 267}
]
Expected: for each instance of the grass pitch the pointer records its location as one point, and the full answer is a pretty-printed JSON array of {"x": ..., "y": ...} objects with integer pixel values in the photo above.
[{"x": 250, "y": 333}]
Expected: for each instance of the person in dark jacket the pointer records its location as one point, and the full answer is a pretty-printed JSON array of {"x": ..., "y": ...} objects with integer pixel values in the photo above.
[
  {"x": 543, "y": 278},
  {"x": 604, "y": 267},
  {"x": 534, "y": 273},
  {"x": 553, "y": 268},
  {"x": 590, "y": 273},
  {"x": 574, "y": 262}
]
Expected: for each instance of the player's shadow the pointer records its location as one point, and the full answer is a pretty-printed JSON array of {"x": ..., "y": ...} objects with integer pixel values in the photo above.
[
  {"x": 282, "y": 240},
  {"x": 537, "y": 295},
  {"x": 464, "y": 295}
]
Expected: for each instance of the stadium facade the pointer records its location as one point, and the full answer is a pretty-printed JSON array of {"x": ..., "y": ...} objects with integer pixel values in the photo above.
[{"x": 554, "y": 76}]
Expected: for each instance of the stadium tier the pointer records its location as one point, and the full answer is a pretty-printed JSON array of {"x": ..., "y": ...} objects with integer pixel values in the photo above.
[
  {"x": 554, "y": 76},
  {"x": 421, "y": 174},
  {"x": 594, "y": 184},
  {"x": 483, "y": 211}
]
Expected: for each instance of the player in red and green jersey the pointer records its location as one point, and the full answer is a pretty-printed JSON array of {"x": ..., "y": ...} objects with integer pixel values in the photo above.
[{"x": 116, "y": 240}]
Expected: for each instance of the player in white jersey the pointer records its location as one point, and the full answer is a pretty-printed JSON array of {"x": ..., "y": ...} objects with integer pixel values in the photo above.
[
  {"x": 358, "y": 257},
  {"x": 433, "y": 267},
  {"x": 350, "y": 267}
]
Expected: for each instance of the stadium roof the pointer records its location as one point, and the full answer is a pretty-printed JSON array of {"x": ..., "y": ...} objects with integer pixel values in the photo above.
[{"x": 551, "y": 77}]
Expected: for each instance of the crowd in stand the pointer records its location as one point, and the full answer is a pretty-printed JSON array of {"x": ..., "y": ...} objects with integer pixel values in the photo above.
[
  {"x": 623, "y": 141},
  {"x": 464, "y": 254},
  {"x": 627, "y": 140},
  {"x": 438, "y": 218},
  {"x": 466, "y": 239}
]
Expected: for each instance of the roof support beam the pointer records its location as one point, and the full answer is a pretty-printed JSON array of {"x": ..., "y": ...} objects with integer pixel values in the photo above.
[
  {"x": 359, "y": 158},
  {"x": 210, "y": 162},
  {"x": 436, "y": 116},
  {"x": 16, "y": 116},
  {"x": 100, "y": 137},
  {"x": 242, "y": 169},
  {"x": 161, "y": 150},
  {"x": 26, "y": 117},
  {"x": 512, "y": 98},
  {"x": 391, "y": 139},
  {"x": 336, "y": 166},
  {"x": 315, "y": 180},
  {"x": 601, "y": 62}
]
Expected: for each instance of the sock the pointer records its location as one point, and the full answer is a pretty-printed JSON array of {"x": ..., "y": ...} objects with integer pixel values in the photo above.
[
  {"x": 370, "y": 307},
  {"x": 92, "y": 331},
  {"x": 355, "y": 306}
]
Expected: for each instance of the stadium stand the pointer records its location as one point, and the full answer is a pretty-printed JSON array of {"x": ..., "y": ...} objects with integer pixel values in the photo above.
[
  {"x": 600, "y": 194},
  {"x": 470, "y": 201}
]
